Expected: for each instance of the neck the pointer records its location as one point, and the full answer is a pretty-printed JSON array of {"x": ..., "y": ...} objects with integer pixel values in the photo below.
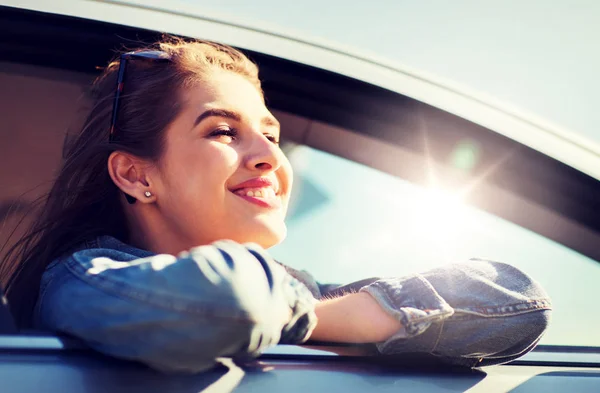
[{"x": 148, "y": 231}]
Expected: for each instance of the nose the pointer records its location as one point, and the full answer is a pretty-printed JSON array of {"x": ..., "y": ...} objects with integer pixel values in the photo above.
[{"x": 263, "y": 154}]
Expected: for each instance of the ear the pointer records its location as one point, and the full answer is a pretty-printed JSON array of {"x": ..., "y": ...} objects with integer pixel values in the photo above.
[{"x": 130, "y": 175}]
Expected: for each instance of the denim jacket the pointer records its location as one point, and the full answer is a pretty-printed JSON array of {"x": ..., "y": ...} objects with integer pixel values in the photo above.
[{"x": 179, "y": 313}]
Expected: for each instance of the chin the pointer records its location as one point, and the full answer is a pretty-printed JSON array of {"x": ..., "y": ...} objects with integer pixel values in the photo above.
[
  {"x": 268, "y": 235},
  {"x": 271, "y": 239}
]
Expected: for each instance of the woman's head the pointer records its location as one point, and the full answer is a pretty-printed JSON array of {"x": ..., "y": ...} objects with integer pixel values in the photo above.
[
  {"x": 215, "y": 170},
  {"x": 193, "y": 145}
]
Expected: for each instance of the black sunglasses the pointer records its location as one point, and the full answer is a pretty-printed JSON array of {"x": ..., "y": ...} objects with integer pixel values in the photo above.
[{"x": 152, "y": 55}]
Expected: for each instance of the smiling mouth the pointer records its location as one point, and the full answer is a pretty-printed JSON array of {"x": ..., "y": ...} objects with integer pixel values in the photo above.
[{"x": 263, "y": 197}]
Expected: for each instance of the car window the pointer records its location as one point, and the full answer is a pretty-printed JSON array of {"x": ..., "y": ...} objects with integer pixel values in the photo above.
[{"x": 348, "y": 221}]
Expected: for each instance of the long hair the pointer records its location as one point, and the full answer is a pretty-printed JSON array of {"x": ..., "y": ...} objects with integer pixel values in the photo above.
[{"x": 84, "y": 202}]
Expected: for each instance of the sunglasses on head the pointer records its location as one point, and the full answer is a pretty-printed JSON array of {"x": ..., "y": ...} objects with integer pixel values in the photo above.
[{"x": 151, "y": 55}]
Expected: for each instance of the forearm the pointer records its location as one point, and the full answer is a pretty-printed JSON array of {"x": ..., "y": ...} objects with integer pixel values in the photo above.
[
  {"x": 226, "y": 298},
  {"x": 354, "y": 318}
]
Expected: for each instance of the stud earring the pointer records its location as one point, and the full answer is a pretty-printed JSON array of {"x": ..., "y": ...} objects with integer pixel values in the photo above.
[{"x": 147, "y": 194}]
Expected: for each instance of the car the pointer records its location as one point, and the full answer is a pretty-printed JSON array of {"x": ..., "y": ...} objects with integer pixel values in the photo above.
[{"x": 390, "y": 162}]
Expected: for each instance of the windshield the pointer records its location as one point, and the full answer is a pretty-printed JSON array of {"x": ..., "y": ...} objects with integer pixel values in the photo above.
[{"x": 360, "y": 222}]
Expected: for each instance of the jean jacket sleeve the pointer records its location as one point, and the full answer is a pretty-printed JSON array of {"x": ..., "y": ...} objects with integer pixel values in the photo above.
[
  {"x": 176, "y": 314},
  {"x": 475, "y": 313}
]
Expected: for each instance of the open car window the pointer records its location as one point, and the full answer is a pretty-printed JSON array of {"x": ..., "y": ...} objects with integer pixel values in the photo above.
[{"x": 348, "y": 221}]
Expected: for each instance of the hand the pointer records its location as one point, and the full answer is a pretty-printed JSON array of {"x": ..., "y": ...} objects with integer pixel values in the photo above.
[
  {"x": 300, "y": 318},
  {"x": 303, "y": 318}
]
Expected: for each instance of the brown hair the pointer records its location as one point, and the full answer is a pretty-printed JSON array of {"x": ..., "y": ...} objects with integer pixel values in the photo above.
[{"x": 84, "y": 202}]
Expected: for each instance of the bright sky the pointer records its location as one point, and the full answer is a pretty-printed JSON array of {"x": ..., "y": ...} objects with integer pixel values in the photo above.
[
  {"x": 541, "y": 56},
  {"x": 368, "y": 223}
]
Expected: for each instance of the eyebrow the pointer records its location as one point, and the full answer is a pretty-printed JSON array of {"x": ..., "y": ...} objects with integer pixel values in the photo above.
[{"x": 266, "y": 121}]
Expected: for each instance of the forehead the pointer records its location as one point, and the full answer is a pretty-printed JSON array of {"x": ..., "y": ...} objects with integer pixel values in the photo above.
[{"x": 227, "y": 90}]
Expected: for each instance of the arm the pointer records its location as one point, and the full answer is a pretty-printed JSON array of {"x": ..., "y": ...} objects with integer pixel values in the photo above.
[
  {"x": 473, "y": 313},
  {"x": 354, "y": 318},
  {"x": 175, "y": 313}
]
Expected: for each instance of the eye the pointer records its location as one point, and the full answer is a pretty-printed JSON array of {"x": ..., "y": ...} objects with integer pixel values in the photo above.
[
  {"x": 272, "y": 138},
  {"x": 225, "y": 134}
]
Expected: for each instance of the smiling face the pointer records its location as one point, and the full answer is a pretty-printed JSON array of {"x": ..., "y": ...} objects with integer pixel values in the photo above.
[{"x": 222, "y": 174}]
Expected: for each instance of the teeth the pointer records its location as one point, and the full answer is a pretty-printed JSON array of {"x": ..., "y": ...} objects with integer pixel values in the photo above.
[
  {"x": 258, "y": 192},
  {"x": 255, "y": 193}
]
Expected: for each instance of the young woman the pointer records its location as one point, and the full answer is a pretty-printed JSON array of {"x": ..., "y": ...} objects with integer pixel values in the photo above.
[{"x": 151, "y": 244}]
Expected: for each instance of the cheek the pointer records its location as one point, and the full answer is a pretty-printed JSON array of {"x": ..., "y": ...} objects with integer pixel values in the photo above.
[
  {"x": 286, "y": 176},
  {"x": 200, "y": 173}
]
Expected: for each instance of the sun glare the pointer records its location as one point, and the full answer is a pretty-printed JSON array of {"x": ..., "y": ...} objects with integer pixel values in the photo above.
[{"x": 440, "y": 218}]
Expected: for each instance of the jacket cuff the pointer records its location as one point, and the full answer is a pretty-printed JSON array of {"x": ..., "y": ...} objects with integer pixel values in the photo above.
[
  {"x": 304, "y": 319},
  {"x": 412, "y": 301}
]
